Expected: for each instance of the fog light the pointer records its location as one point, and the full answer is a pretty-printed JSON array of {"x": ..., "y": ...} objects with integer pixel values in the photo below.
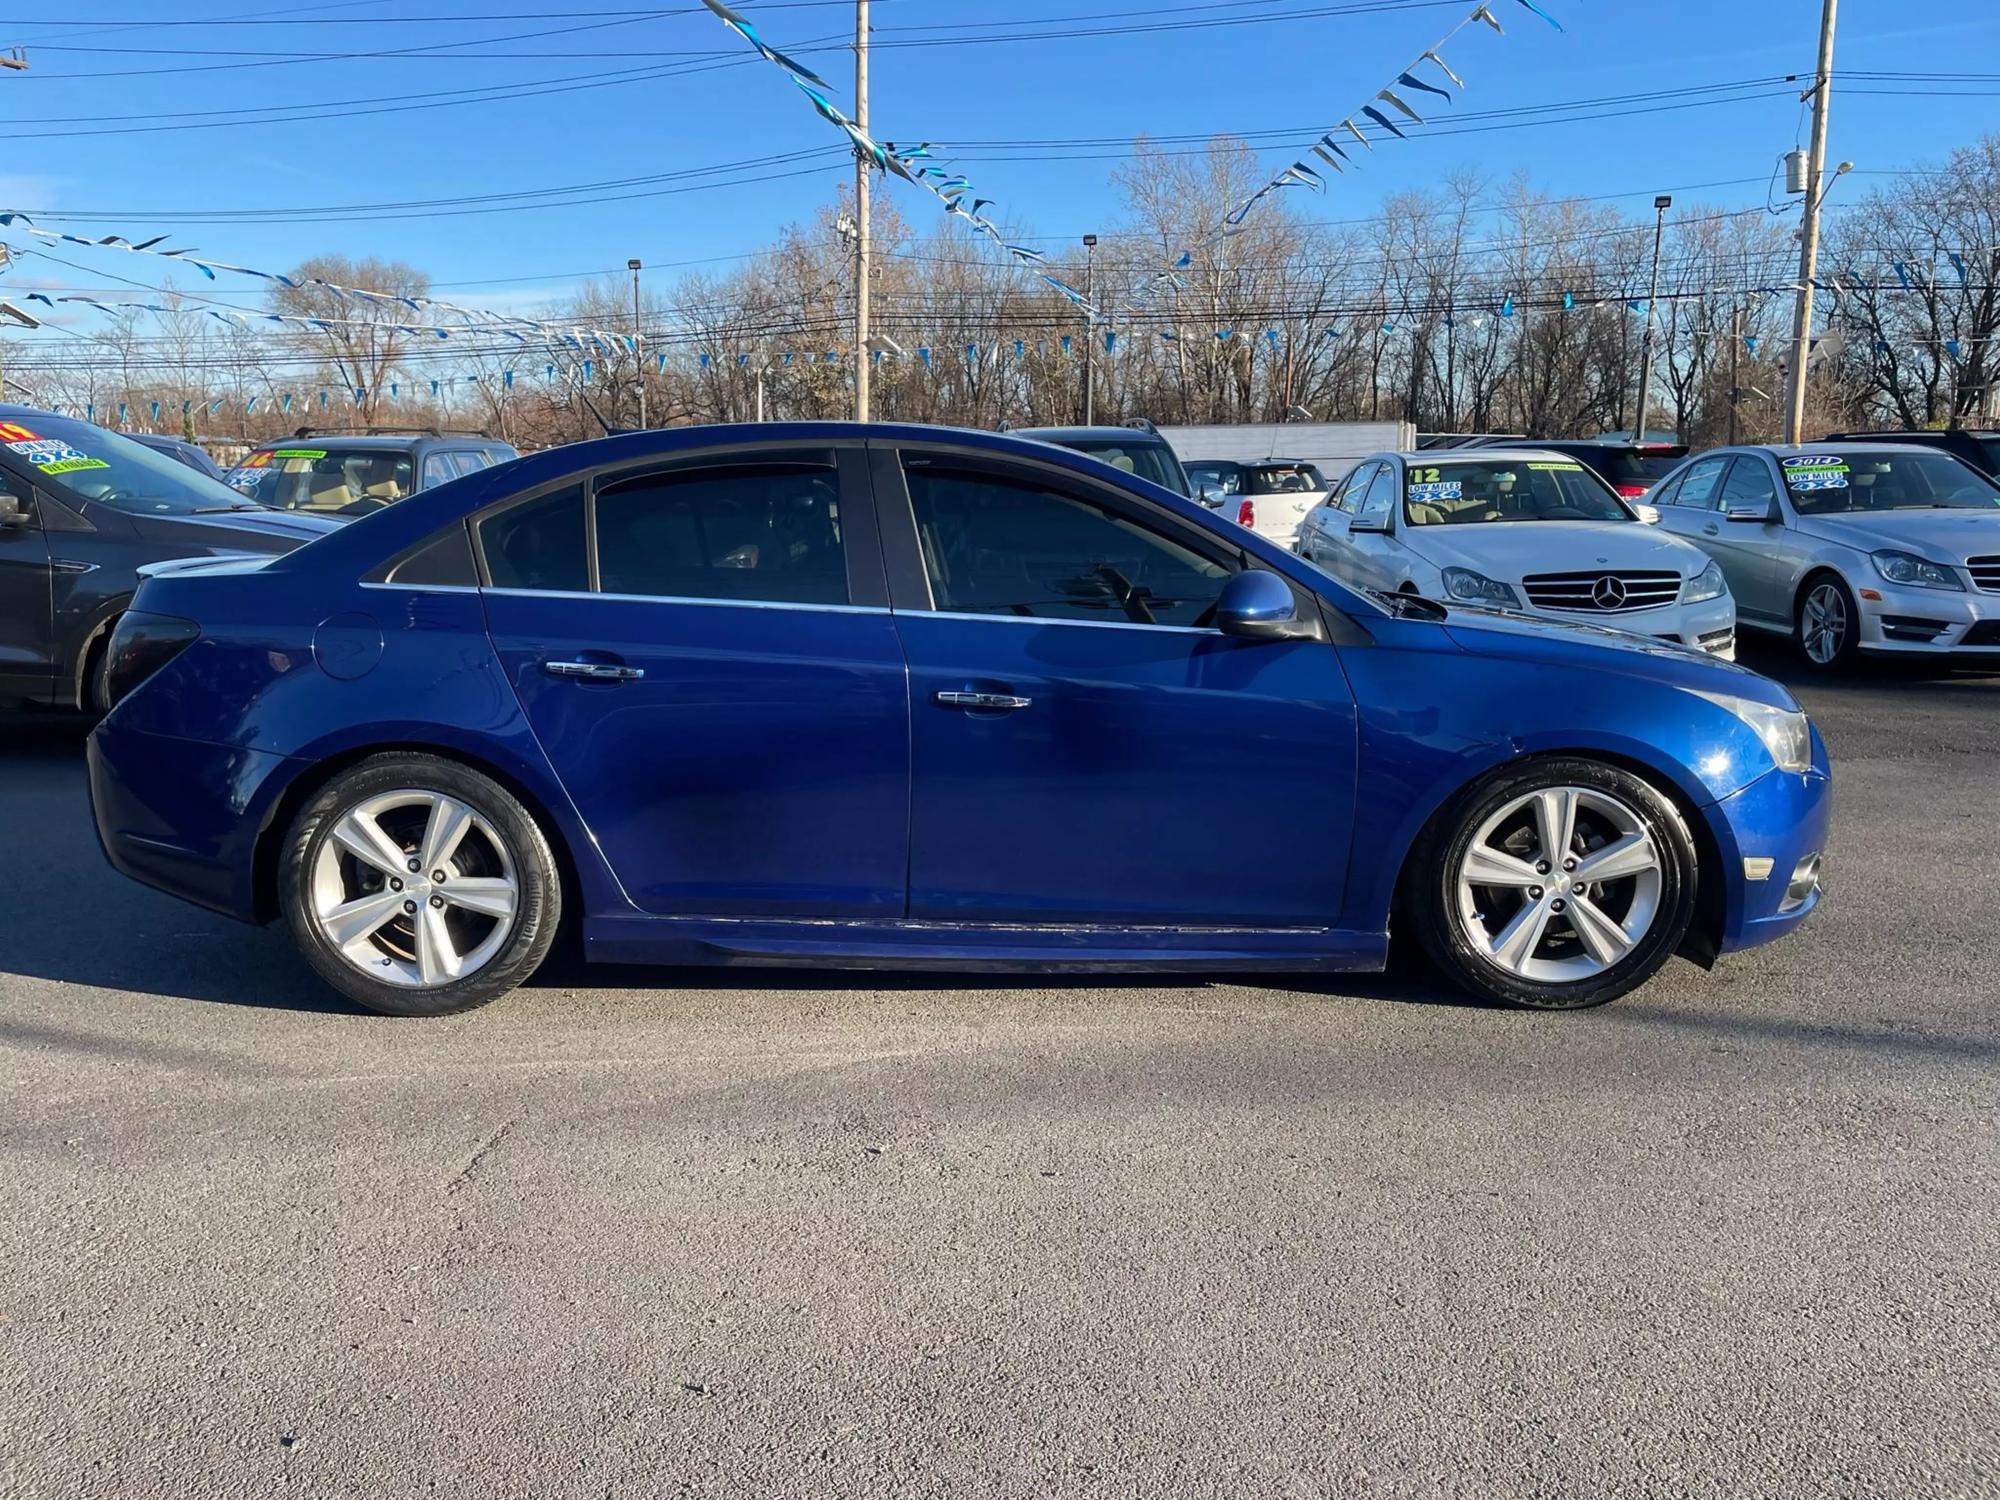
[{"x": 1805, "y": 881}]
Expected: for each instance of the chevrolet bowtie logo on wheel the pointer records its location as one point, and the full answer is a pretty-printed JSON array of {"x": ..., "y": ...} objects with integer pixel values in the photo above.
[{"x": 1608, "y": 593}]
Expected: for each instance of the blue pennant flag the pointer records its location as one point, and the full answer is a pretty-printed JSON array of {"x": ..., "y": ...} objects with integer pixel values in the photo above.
[
  {"x": 1110, "y": 340},
  {"x": 587, "y": 366},
  {"x": 702, "y": 359},
  {"x": 1569, "y": 301},
  {"x": 1903, "y": 275},
  {"x": 1958, "y": 265},
  {"x": 1065, "y": 343},
  {"x": 1272, "y": 335},
  {"x": 121, "y": 413},
  {"x": 742, "y": 360},
  {"x": 434, "y": 384},
  {"x": 1530, "y": 4},
  {"x": 156, "y": 410},
  {"x": 1383, "y": 120},
  {"x": 1408, "y": 81},
  {"x": 1507, "y": 306},
  {"x": 1020, "y": 349},
  {"x": 285, "y": 405},
  {"x": 507, "y": 379},
  {"x": 924, "y": 353},
  {"x": 1951, "y": 347},
  {"x": 1750, "y": 343}
]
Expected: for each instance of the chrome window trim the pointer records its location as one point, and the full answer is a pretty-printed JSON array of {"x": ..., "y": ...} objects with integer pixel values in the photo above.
[
  {"x": 960, "y": 614},
  {"x": 425, "y": 588},
  {"x": 836, "y": 609}
]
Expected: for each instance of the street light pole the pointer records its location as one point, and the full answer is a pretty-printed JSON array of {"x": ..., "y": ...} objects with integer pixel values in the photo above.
[
  {"x": 862, "y": 215},
  {"x": 1089, "y": 322},
  {"x": 638, "y": 354},
  {"x": 1802, "y": 312},
  {"x": 1735, "y": 349},
  {"x": 1660, "y": 206}
]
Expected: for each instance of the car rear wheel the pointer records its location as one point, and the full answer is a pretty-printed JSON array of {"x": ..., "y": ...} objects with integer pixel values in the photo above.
[
  {"x": 1827, "y": 629},
  {"x": 1557, "y": 885},
  {"x": 418, "y": 887}
]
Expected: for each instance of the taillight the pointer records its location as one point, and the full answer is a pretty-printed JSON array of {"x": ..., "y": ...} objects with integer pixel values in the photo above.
[
  {"x": 140, "y": 645},
  {"x": 1246, "y": 514},
  {"x": 1633, "y": 491}
]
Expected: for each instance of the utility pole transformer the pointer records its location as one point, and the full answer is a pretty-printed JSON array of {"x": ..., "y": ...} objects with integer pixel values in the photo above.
[
  {"x": 1795, "y": 381},
  {"x": 863, "y": 213}
]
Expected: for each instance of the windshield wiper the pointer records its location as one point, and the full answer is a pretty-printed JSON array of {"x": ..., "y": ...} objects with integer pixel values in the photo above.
[
  {"x": 1411, "y": 606},
  {"x": 217, "y": 510}
]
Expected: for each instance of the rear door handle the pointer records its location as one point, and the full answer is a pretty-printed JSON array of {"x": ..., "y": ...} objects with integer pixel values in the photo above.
[
  {"x": 594, "y": 671},
  {"x": 982, "y": 700}
]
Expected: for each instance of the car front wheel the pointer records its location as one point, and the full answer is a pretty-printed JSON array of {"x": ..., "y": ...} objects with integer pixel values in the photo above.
[
  {"x": 418, "y": 887},
  {"x": 1556, "y": 885},
  {"x": 1828, "y": 628}
]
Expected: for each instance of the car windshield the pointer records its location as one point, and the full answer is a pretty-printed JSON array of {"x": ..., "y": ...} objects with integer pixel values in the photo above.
[
  {"x": 87, "y": 463},
  {"x": 1221, "y": 478},
  {"x": 1509, "y": 489},
  {"x": 1835, "y": 481},
  {"x": 1282, "y": 479},
  {"x": 1154, "y": 461},
  {"x": 329, "y": 481}
]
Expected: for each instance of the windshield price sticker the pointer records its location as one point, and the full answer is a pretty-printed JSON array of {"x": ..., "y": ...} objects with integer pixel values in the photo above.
[
  {"x": 1447, "y": 489},
  {"x": 296, "y": 453},
  {"x": 54, "y": 456},
  {"x": 1556, "y": 468},
  {"x": 1816, "y": 472}
]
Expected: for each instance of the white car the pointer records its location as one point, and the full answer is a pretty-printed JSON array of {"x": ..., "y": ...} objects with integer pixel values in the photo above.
[
  {"x": 1849, "y": 547},
  {"x": 1271, "y": 496},
  {"x": 1519, "y": 529}
]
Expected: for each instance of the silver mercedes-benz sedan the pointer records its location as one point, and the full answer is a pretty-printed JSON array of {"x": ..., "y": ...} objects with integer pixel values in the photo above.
[{"x": 1848, "y": 547}]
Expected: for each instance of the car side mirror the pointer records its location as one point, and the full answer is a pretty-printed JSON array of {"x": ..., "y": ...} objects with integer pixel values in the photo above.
[
  {"x": 1260, "y": 606},
  {"x": 1751, "y": 515},
  {"x": 12, "y": 511},
  {"x": 1364, "y": 523},
  {"x": 1212, "y": 498},
  {"x": 1649, "y": 515}
]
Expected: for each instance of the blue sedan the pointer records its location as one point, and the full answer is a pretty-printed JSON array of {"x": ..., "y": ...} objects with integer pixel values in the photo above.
[{"x": 905, "y": 696}]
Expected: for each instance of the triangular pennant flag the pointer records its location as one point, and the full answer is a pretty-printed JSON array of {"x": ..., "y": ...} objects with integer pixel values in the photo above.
[
  {"x": 1481, "y": 14},
  {"x": 1354, "y": 130},
  {"x": 1383, "y": 120},
  {"x": 1388, "y": 95},
  {"x": 1530, "y": 4},
  {"x": 1110, "y": 340},
  {"x": 1065, "y": 343},
  {"x": 1750, "y": 343},
  {"x": 1507, "y": 306},
  {"x": 1444, "y": 68},
  {"x": 1410, "y": 81},
  {"x": 1569, "y": 301}
]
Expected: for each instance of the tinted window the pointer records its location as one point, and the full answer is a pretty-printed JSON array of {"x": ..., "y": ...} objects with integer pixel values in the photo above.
[
  {"x": 1223, "y": 478},
  {"x": 1827, "y": 481},
  {"x": 999, "y": 546},
  {"x": 1989, "y": 449},
  {"x": 1698, "y": 486},
  {"x": 764, "y": 532},
  {"x": 78, "y": 461},
  {"x": 537, "y": 545},
  {"x": 438, "y": 470},
  {"x": 445, "y": 559},
  {"x": 1749, "y": 484},
  {"x": 1149, "y": 460}
]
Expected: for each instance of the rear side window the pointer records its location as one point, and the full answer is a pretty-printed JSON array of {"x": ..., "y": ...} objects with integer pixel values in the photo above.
[
  {"x": 438, "y": 470},
  {"x": 767, "y": 533},
  {"x": 998, "y": 545},
  {"x": 445, "y": 559},
  {"x": 538, "y": 544}
]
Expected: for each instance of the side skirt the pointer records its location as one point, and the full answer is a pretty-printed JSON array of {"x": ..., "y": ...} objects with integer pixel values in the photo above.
[{"x": 974, "y": 948}]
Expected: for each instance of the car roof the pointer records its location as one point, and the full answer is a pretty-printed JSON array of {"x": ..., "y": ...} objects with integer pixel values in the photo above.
[
  {"x": 357, "y": 443},
  {"x": 1429, "y": 456},
  {"x": 1781, "y": 450},
  {"x": 1094, "y": 434}
]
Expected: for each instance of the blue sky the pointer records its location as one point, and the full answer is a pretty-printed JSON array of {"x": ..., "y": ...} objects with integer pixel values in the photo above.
[{"x": 1278, "y": 65}]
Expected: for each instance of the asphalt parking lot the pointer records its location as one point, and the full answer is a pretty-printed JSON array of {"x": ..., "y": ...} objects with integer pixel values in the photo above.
[{"x": 648, "y": 1232}]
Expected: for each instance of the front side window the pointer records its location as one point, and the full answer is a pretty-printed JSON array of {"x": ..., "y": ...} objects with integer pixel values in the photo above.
[
  {"x": 80, "y": 462},
  {"x": 326, "y": 481},
  {"x": 1748, "y": 485},
  {"x": 1378, "y": 501},
  {"x": 1701, "y": 485},
  {"x": 768, "y": 532},
  {"x": 538, "y": 544},
  {"x": 998, "y": 545},
  {"x": 1832, "y": 481},
  {"x": 1507, "y": 489},
  {"x": 1354, "y": 487}
]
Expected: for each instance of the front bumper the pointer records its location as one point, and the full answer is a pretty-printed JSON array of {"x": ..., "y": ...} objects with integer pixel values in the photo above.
[
  {"x": 1709, "y": 626},
  {"x": 185, "y": 817},
  {"x": 1767, "y": 834},
  {"x": 1924, "y": 622}
]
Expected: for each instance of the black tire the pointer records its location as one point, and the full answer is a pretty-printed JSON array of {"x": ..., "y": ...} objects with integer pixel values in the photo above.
[
  {"x": 1434, "y": 898},
  {"x": 96, "y": 694},
  {"x": 1847, "y": 655},
  {"x": 538, "y": 906}
]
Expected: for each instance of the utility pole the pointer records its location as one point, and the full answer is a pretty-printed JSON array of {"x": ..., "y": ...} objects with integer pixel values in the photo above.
[
  {"x": 638, "y": 354},
  {"x": 1795, "y": 402},
  {"x": 1735, "y": 352},
  {"x": 1089, "y": 322},
  {"x": 1660, "y": 206},
  {"x": 862, "y": 214}
]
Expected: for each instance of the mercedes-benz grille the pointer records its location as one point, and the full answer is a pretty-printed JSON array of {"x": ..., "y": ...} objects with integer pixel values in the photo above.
[{"x": 1602, "y": 591}]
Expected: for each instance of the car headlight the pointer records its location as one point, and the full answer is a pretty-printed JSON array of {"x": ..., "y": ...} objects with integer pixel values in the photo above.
[
  {"x": 1916, "y": 572},
  {"x": 1705, "y": 585},
  {"x": 1784, "y": 731},
  {"x": 1477, "y": 588}
]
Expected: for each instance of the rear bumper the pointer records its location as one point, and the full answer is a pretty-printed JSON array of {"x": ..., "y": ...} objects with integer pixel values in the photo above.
[
  {"x": 185, "y": 817},
  {"x": 1782, "y": 817}
]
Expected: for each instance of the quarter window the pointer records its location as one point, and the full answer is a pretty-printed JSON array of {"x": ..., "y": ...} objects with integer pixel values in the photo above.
[
  {"x": 538, "y": 544},
  {"x": 748, "y": 532},
  {"x": 1003, "y": 546}
]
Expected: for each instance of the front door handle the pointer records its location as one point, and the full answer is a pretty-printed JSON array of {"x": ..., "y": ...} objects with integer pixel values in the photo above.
[
  {"x": 594, "y": 671},
  {"x": 1711, "y": 530},
  {"x": 982, "y": 700}
]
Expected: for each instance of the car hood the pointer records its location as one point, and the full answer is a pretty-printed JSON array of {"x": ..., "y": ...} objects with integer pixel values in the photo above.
[
  {"x": 1945, "y": 535},
  {"x": 1486, "y": 632},
  {"x": 237, "y": 530},
  {"x": 1509, "y": 550}
]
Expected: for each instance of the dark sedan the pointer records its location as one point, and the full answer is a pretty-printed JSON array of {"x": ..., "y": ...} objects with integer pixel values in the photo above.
[{"x": 81, "y": 511}]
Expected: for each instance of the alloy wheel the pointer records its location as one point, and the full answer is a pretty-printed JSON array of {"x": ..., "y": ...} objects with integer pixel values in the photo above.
[
  {"x": 414, "y": 888},
  {"x": 1823, "y": 624},
  {"x": 1559, "y": 884}
]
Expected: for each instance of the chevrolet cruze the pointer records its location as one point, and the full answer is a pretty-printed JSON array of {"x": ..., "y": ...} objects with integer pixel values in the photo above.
[{"x": 880, "y": 695}]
